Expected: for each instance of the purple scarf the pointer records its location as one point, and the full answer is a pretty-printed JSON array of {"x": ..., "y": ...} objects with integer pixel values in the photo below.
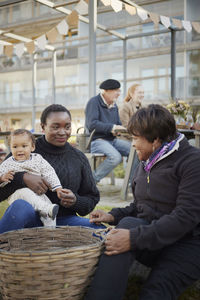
[{"x": 163, "y": 149}]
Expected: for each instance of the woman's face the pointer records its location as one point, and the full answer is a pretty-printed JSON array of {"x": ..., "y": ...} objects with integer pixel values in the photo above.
[
  {"x": 57, "y": 129},
  {"x": 139, "y": 93},
  {"x": 143, "y": 147}
]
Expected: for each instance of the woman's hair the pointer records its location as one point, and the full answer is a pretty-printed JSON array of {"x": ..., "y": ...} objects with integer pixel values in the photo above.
[
  {"x": 131, "y": 91},
  {"x": 153, "y": 122},
  {"x": 51, "y": 109},
  {"x": 22, "y": 132}
]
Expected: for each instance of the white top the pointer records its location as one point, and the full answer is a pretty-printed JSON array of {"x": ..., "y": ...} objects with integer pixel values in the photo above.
[{"x": 36, "y": 165}]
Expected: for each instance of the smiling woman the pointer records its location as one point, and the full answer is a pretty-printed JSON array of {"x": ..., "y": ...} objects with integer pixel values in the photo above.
[
  {"x": 160, "y": 228},
  {"x": 72, "y": 168}
]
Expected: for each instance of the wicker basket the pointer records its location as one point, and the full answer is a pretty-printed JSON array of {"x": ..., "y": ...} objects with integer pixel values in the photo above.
[{"x": 48, "y": 263}]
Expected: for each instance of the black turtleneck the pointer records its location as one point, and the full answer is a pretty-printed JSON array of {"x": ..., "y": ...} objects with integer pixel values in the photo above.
[{"x": 74, "y": 172}]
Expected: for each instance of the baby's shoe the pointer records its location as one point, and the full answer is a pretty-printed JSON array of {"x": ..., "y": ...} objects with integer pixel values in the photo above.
[{"x": 53, "y": 211}]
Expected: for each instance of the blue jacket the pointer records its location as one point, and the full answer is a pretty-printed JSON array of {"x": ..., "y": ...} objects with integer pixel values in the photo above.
[{"x": 101, "y": 118}]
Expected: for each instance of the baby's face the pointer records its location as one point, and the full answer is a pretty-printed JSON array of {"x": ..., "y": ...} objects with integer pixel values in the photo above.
[{"x": 21, "y": 147}]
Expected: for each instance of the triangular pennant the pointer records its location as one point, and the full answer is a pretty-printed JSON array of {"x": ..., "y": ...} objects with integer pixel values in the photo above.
[
  {"x": 52, "y": 35},
  {"x": 116, "y": 5},
  {"x": 196, "y": 26},
  {"x": 63, "y": 27},
  {"x": 177, "y": 23},
  {"x": 1, "y": 49},
  {"x": 187, "y": 25},
  {"x": 130, "y": 9},
  {"x": 30, "y": 47},
  {"x": 72, "y": 19},
  {"x": 155, "y": 18},
  {"x": 142, "y": 13},
  {"x": 106, "y": 2},
  {"x": 165, "y": 21},
  {"x": 8, "y": 50},
  {"x": 19, "y": 49},
  {"x": 41, "y": 42},
  {"x": 82, "y": 8}
]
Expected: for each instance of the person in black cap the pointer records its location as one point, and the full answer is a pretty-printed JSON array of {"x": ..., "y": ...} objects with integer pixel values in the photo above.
[{"x": 102, "y": 115}]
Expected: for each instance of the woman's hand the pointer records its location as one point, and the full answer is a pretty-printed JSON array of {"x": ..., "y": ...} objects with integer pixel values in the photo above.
[
  {"x": 117, "y": 241},
  {"x": 7, "y": 177},
  {"x": 67, "y": 197},
  {"x": 36, "y": 183},
  {"x": 98, "y": 216}
]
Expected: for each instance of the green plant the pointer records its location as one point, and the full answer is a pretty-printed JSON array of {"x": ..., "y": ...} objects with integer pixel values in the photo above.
[{"x": 119, "y": 171}]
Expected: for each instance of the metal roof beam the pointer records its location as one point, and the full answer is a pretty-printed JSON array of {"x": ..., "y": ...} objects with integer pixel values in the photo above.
[{"x": 81, "y": 18}]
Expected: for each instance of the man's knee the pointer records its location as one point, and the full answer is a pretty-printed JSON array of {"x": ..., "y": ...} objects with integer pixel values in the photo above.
[{"x": 115, "y": 159}]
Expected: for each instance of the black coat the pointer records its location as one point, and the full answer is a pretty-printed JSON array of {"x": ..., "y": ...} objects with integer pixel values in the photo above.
[{"x": 170, "y": 201}]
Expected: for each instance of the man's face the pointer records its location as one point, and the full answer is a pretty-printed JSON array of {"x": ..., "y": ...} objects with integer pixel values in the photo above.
[{"x": 111, "y": 95}]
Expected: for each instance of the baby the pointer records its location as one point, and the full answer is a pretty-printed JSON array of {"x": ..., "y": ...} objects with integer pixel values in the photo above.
[{"x": 22, "y": 143}]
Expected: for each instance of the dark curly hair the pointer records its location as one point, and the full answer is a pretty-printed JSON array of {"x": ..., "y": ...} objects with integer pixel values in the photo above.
[
  {"x": 51, "y": 109},
  {"x": 153, "y": 122}
]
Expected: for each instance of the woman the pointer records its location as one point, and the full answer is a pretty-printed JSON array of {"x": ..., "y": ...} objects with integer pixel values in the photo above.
[
  {"x": 72, "y": 168},
  {"x": 132, "y": 102},
  {"x": 161, "y": 228}
]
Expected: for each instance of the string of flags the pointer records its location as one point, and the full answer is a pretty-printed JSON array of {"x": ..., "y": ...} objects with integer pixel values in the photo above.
[{"x": 71, "y": 21}]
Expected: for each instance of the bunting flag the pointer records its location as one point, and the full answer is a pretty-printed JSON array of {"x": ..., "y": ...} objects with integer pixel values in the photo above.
[
  {"x": 52, "y": 35},
  {"x": 8, "y": 50},
  {"x": 177, "y": 23},
  {"x": 130, "y": 9},
  {"x": 196, "y": 26},
  {"x": 30, "y": 47},
  {"x": 41, "y": 42},
  {"x": 81, "y": 8},
  {"x": 187, "y": 25},
  {"x": 106, "y": 2},
  {"x": 116, "y": 5},
  {"x": 62, "y": 27},
  {"x": 155, "y": 18},
  {"x": 19, "y": 49},
  {"x": 165, "y": 21},
  {"x": 142, "y": 13},
  {"x": 72, "y": 19},
  {"x": 1, "y": 49}
]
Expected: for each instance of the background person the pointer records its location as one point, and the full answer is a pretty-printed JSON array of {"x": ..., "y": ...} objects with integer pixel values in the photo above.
[
  {"x": 161, "y": 228},
  {"x": 102, "y": 115},
  {"x": 72, "y": 168},
  {"x": 132, "y": 102}
]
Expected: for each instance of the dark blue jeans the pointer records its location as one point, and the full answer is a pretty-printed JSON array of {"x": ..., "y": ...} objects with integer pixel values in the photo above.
[
  {"x": 21, "y": 214},
  {"x": 174, "y": 268}
]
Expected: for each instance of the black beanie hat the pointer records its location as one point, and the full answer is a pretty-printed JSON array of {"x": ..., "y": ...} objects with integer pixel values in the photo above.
[{"x": 110, "y": 84}]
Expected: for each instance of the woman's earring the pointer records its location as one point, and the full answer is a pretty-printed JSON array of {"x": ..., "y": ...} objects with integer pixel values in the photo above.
[{"x": 153, "y": 148}]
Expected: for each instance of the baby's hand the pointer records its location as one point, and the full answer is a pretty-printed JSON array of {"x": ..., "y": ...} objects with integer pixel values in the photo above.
[{"x": 7, "y": 177}]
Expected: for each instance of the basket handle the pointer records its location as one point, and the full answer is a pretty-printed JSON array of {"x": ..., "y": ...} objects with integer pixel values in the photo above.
[{"x": 101, "y": 233}]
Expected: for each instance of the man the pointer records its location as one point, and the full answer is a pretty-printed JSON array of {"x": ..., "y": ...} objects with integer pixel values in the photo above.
[{"x": 102, "y": 115}]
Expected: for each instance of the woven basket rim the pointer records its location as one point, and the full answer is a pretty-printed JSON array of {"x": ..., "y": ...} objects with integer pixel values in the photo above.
[{"x": 98, "y": 236}]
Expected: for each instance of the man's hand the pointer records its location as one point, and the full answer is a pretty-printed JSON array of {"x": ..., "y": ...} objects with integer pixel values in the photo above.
[
  {"x": 118, "y": 129},
  {"x": 36, "y": 183},
  {"x": 98, "y": 216},
  {"x": 7, "y": 177},
  {"x": 117, "y": 241},
  {"x": 67, "y": 197}
]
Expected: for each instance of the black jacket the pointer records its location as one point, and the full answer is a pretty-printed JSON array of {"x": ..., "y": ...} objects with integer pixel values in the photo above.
[{"x": 170, "y": 202}]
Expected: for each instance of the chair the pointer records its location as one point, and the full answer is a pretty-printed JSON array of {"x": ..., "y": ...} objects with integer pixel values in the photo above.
[{"x": 83, "y": 143}]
